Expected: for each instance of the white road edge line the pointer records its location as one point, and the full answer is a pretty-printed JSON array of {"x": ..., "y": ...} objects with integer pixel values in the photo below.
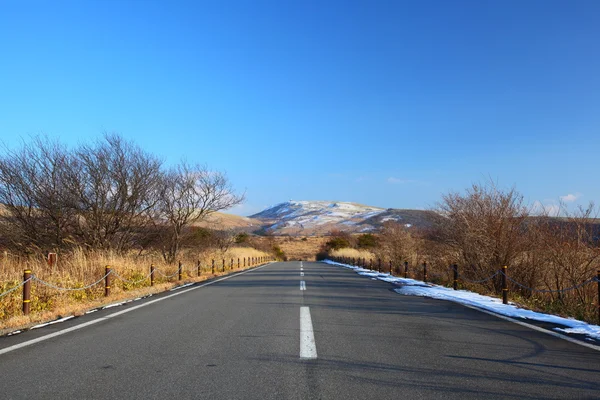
[
  {"x": 302, "y": 285},
  {"x": 534, "y": 327},
  {"x": 86, "y": 324},
  {"x": 308, "y": 347}
]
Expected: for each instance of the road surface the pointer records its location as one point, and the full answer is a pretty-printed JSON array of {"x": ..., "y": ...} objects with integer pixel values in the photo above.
[{"x": 293, "y": 331}]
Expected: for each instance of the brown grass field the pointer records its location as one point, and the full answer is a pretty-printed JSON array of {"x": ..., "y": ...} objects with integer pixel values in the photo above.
[{"x": 300, "y": 248}]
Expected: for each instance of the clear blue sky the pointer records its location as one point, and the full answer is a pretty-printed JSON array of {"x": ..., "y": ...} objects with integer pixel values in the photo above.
[{"x": 387, "y": 103}]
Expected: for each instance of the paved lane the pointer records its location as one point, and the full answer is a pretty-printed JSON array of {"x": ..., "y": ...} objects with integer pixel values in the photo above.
[
  {"x": 374, "y": 343},
  {"x": 243, "y": 338}
]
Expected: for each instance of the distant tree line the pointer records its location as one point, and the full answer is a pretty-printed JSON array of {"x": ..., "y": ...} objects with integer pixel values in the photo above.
[{"x": 105, "y": 195}]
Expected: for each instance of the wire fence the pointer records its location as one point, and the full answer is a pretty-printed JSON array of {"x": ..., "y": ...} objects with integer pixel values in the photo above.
[
  {"x": 29, "y": 278},
  {"x": 16, "y": 287},
  {"x": 65, "y": 289},
  {"x": 426, "y": 273}
]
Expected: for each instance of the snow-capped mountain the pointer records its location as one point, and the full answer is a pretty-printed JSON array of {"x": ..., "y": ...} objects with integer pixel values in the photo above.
[{"x": 320, "y": 217}]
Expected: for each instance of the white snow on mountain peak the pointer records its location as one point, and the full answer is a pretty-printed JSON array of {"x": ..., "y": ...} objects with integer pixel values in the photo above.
[
  {"x": 308, "y": 214},
  {"x": 302, "y": 217}
]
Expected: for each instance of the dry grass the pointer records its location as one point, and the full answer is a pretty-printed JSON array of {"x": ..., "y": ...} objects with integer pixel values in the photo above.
[
  {"x": 300, "y": 248},
  {"x": 354, "y": 253},
  {"x": 79, "y": 269}
]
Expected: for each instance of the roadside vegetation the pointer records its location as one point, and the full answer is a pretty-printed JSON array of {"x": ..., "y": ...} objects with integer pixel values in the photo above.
[
  {"x": 107, "y": 203},
  {"x": 549, "y": 258}
]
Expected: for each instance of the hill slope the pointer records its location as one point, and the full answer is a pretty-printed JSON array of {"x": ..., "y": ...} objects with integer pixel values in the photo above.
[{"x": 319, "y": 217}]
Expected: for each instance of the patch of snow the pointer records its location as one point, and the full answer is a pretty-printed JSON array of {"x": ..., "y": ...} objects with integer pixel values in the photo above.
[{"x": 414, "y": 287}]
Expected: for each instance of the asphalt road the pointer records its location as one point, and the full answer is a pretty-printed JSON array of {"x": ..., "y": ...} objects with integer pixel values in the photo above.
[{"x": 264, "y": 335}]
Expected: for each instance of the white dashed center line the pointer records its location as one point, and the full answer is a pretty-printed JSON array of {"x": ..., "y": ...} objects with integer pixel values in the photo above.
[{"x": 308, "y": 347}]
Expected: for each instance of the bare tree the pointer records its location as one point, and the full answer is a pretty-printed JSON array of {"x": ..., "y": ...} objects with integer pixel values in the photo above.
[
  {"x": 32, "y": 190},
  {"x": 571, "y": 251},
  {"x": 188, "y": 194},
  {"x": 396, "y": 243},
  {"x": 113, "y": 186},
  {"x": 484, "y": 227}
]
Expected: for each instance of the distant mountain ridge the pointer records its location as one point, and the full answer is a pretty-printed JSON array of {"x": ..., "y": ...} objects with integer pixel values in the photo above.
[{"x": 309, "y": 218}]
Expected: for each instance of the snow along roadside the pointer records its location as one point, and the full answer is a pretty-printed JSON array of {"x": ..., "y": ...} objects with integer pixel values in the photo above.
[{"x": 413, "y": 287}]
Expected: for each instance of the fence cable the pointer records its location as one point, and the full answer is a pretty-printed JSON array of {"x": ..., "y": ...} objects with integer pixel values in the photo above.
[
  {"x": 16, "y": 287},
  {"x": 70, "y": 289},
  {"x": 549, "y": 291},
  {"x": 479, "y": 281},
  {"x": 169, "y": 276}
]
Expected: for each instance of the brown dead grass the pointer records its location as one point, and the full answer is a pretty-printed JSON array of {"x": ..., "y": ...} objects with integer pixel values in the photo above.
[
  {"x": 353, "y": 253},
  {"x": 78, "y": 269},
  {"x": 300, "y": 248}
]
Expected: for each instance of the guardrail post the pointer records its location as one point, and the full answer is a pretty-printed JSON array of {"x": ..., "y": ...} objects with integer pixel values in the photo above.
[
  {"x": 425, "y": 271},
  {"x": 198, "y": 267},
  {"x": 179, "y": 271},
  {"x": 405, "y": 269},
  {"x": 598, "y": 282},
  {"x": 223, "y": 265},
  {"x": 26, "y": 291},
  {"x": 151, "y": 274},
  {"x": 504, "y": 286},
  {"x": 107, "y": 281},
  {"x": 213, "y": 266},
  {"x": 455, "y": 267}
]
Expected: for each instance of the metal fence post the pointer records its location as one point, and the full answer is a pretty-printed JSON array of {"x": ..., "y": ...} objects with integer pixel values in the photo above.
[
  {"x": 405, "y": 269},
  {"x": 107, "y": 281},
  {"x": 179, "y": 271},
  {"x": 151, "y": 274},
  {"x": 425, "y": 271},
  {"x": 198, "y": 266},
  {"x": 213, "y": 266},
  {"x": 598, "y": 282},
  {"x": 504, "y": 286},
  {"x": 26, "y": 291},
  {"x": 223, "y": 265},
  {"x": 379, "y": 265},
  {"x": 455, "y": 267}
]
